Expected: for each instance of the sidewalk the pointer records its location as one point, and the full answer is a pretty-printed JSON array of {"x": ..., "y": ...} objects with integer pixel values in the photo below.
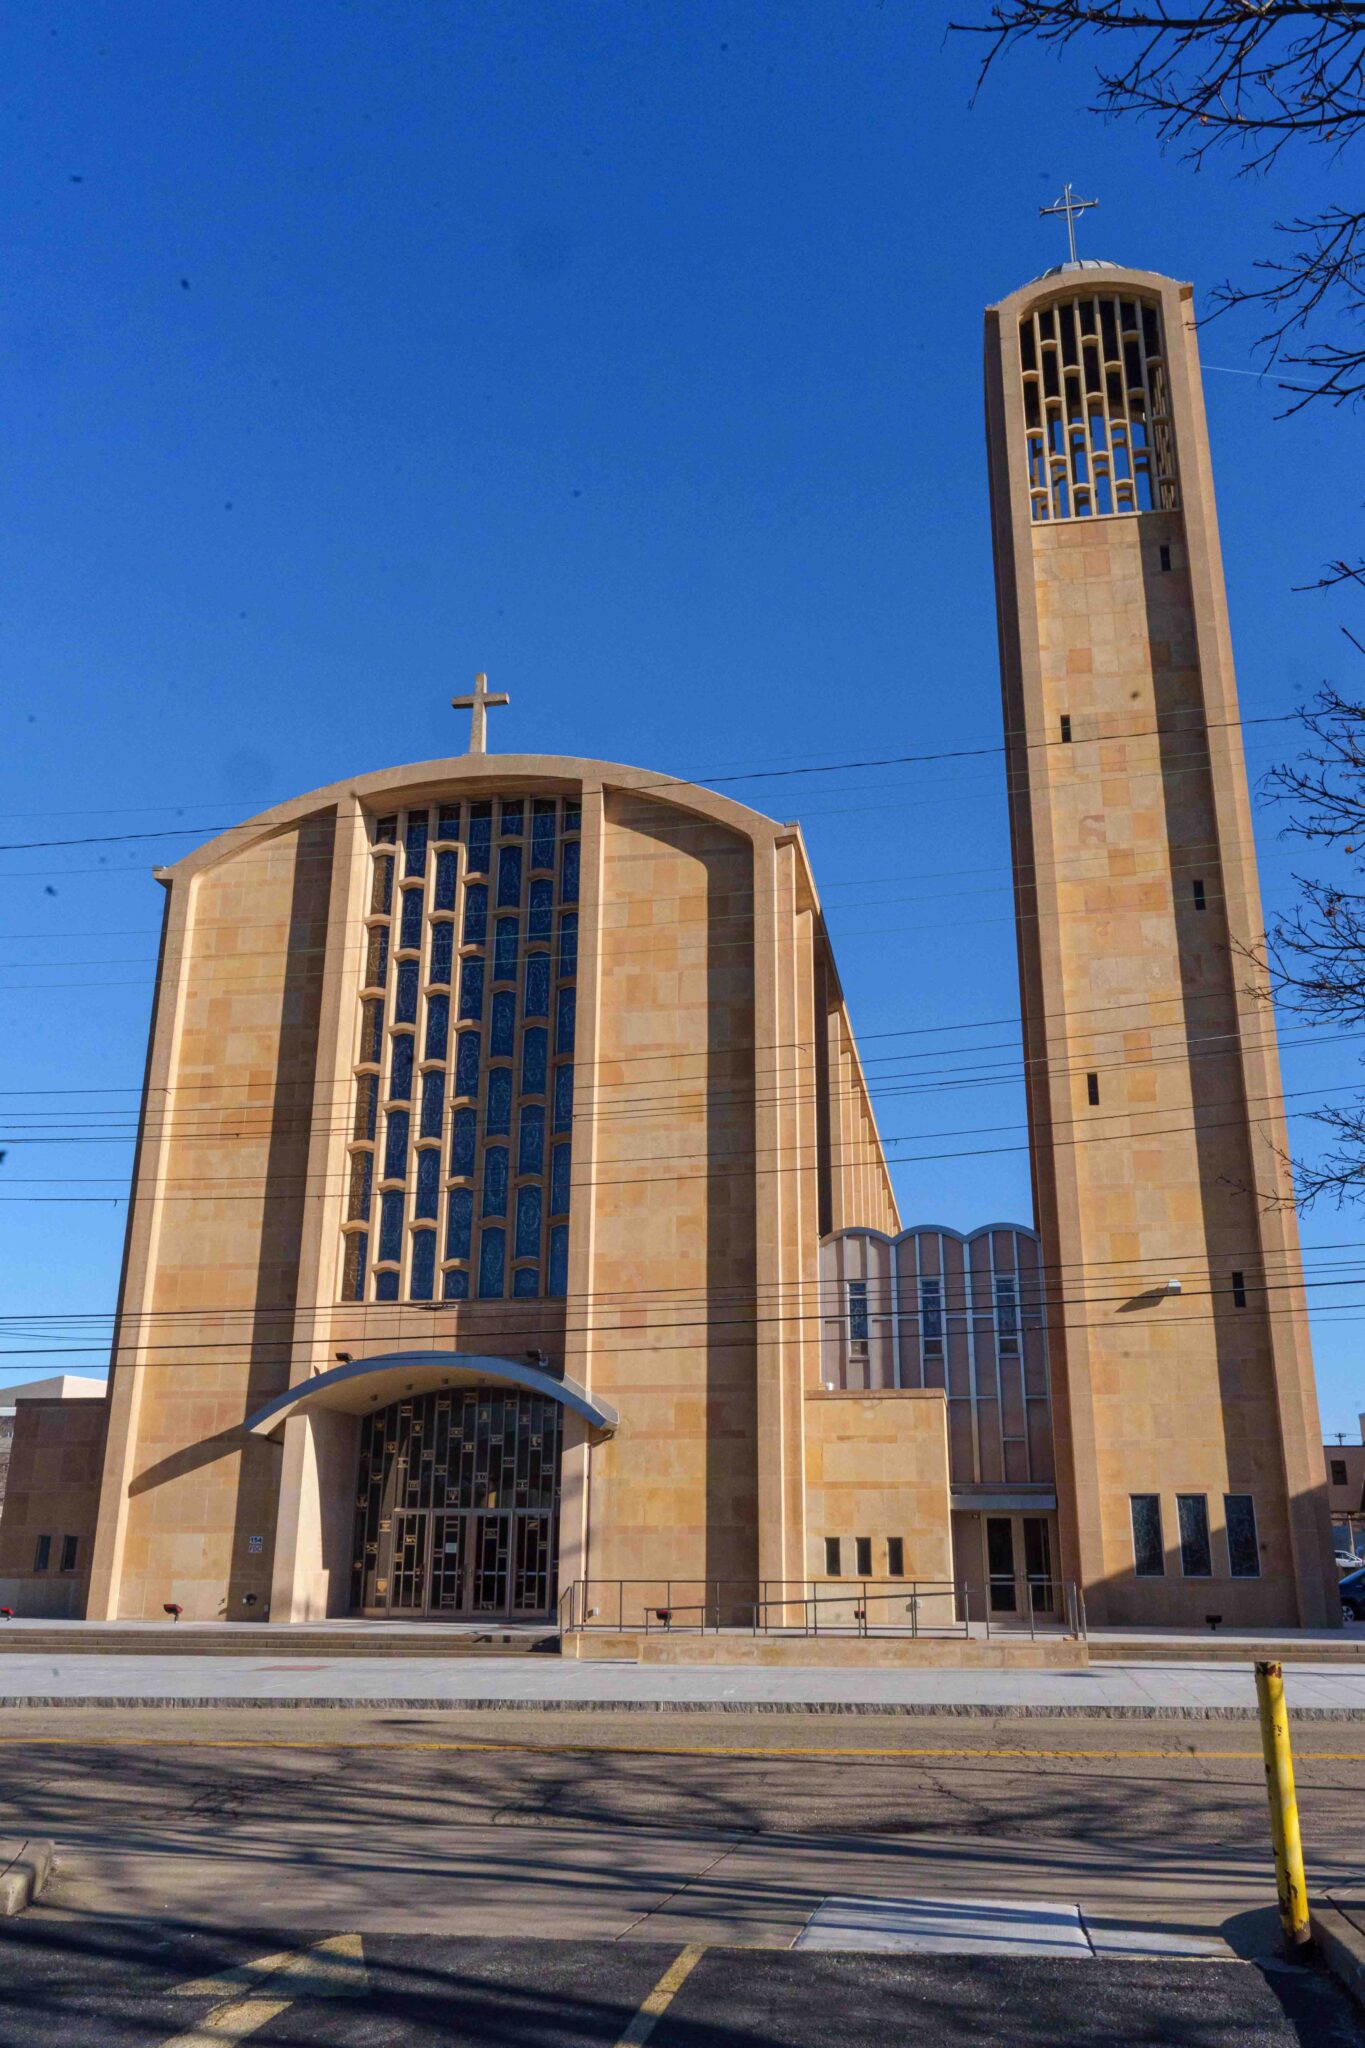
[{"x": 1142, "y": 1688}]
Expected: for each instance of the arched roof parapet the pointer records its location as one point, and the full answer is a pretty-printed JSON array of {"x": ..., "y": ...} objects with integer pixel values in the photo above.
[
  {"x": 475, "y": 774},
  {"x": 1069, "y": 284},
  {"x": 919, "y": 1230}
]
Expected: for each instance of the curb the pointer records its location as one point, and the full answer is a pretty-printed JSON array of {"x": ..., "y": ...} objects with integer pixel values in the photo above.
[
  {"x": 445, "y": 1705},
  {"x": 23, "y": 1877},
  {"x": 1341, "y": 1946}
]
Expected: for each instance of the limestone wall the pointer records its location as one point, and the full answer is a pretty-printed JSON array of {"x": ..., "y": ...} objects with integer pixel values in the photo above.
[
  {"x": 210, "y": 1335},
  {"x": 877, "y": 1467},
  {"x": 52, "y": 1492},
  {"x": 672, "y": 1316}
]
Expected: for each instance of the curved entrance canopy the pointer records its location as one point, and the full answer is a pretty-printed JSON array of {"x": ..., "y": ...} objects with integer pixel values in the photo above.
[{"x": 366, "y": 1383}]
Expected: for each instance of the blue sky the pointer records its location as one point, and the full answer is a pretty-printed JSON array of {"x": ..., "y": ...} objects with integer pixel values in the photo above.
[{"x": 632, "y": 353}]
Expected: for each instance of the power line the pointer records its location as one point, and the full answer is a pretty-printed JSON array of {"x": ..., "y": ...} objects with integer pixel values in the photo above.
[{"x": 534, "y": 1322}]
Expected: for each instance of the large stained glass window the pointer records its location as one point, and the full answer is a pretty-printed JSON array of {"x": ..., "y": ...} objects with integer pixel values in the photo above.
[{"x": 464, "y": 1054}]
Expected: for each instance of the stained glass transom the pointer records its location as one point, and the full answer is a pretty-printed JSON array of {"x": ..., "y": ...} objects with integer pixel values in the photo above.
[
  {"x": 1097, "y": 409},
  {"x": 455, "y": 1054}
]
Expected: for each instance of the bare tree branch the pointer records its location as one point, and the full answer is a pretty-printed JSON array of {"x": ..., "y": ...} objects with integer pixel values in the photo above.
[
  {"x": 1258, "y": 76},
  {"x": 1315, "y": 956}
]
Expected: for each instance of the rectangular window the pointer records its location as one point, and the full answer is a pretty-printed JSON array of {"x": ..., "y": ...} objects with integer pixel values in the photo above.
[
  {"x": 415, "y": 842},
  {"x": 1239, "y": 1290},
  {"x": 1066, "y": 729},
  {"x": 480, "y": 838},
  {"x": 42, "y": 1553},
  {"x": 492, "y": 1261},
  {"x": 442, "y": 950},
  {"x": 543, "y": 833},
  {"x": 509, "y": 878},
  {"x": 1196, "y": 1559},
  {"x": 1244, "y": 1556},
  {"x": 428, "y": 1184},
  {"x": 931, "y": 1316},
  {"x": 1165, "y": 555},
  {"x": 1092, "y": 1090},
  {"x": 362, "y": 1174},
  {"x": 463, "y": 1142},
  {"x": 1007, "y": 1314},
  {"x": 862, "y": 1556},
  {"x": 561, "y": 1161},
  {"x": 857, "y": 1315},
  {"x": 353, "y": 1266},
  {"x": 505, "y": 945},
  {"x": 1197, "y": 891},
  {"x": 833, "y": 1564},
  {"x": 1339, "y": 1472},
  {"x": 69, "y": 1553},
  {"x": 471, "y": 990},
  {"x": 1149, "y": 1552},
  {"x": 557, "y": 1282},
  {"x": 422, "y": 1283},
  {"x": 895, "y": 1557},
  {"x": 459, "y": 1223}
]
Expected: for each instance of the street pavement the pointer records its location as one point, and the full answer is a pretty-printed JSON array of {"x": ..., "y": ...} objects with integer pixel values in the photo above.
[
  {"x": 1137, "y": 1688},
  {"x": 355, "y": 1879},
  {"x": 104, "y": 1985}
]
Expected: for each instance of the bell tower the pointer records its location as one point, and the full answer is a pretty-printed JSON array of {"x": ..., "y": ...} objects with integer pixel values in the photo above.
[{"x": 1190, "y": 1467}]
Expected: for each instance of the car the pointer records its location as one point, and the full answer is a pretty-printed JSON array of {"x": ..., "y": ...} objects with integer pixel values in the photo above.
[
  {"x": 1346, "y": 1561},
  {"x": 1352, "y": 1591}
]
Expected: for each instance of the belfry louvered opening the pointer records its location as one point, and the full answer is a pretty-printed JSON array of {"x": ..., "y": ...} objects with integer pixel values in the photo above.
[{"x": 1097, "y": 410}]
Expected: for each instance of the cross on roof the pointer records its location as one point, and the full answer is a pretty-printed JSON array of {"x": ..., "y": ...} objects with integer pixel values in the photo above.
[
  {"x": 477, "y": 706},
  {"x": 1070, "y": 206}
]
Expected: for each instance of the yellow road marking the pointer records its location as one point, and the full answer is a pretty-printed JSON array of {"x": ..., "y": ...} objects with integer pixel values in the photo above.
[
  {"x": 232, "y": 2022},
  {"x": 663, "y": 1994},
  {"x": 1327, "y": 1756},
  {"x": 251, "y": 1995}
]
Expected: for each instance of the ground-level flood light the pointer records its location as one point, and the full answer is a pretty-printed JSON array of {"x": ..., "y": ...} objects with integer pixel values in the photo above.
[{"x": 173, "y": 1608}]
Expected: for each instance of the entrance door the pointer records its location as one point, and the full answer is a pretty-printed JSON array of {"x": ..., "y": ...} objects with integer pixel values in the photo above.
[
  {"x": 1038, "y": 1564},
  {"x": 411, "y": 1536},
  {"x": 457, "y": 1506},
  {"x": 448, "y": 1557},
  {"x": 1000, "y": 1564}
]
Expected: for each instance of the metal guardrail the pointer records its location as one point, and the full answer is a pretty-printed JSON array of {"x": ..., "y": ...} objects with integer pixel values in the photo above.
[{"x": 899, "y": 1607}]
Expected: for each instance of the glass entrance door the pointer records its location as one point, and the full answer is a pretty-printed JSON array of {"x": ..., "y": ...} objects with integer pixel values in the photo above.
[
  {"x": 457, "y": 1506},
  {"x": 1000, "y": 1564},
  {"x": 1038, "y": 1564}
]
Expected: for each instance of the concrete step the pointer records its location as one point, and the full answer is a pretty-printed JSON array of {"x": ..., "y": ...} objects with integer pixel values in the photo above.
[
  {"x": 208, "y": 1639},
  {"x": 1220, "y": 1649}
]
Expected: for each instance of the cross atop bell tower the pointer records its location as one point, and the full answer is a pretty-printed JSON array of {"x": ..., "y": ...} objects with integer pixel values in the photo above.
[
  {"x": 1071, "y": 207},
  {"x": 477, "y": 705}
]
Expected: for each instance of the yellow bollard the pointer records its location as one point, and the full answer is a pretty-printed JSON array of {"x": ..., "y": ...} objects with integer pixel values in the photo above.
[{"x": 1284, "y": 1807}]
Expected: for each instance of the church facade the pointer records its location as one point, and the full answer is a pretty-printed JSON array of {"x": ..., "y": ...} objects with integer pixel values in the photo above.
[
  {"x": 509, "y": 1221},
  {"x": 497, "y": 1109}
]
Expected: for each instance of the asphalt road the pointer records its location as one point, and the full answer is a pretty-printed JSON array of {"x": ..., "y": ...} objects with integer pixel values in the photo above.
[
  {"x": 436, "y": 1845},
  {"x": 105, "y": 1985},
  {"x": 1181, "y": 1782}
]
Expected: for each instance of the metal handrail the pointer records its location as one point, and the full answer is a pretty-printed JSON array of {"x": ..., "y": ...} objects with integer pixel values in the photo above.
[
  {"x": 856, "y": 1595},
  {"x": 751, "y": 1602}
]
